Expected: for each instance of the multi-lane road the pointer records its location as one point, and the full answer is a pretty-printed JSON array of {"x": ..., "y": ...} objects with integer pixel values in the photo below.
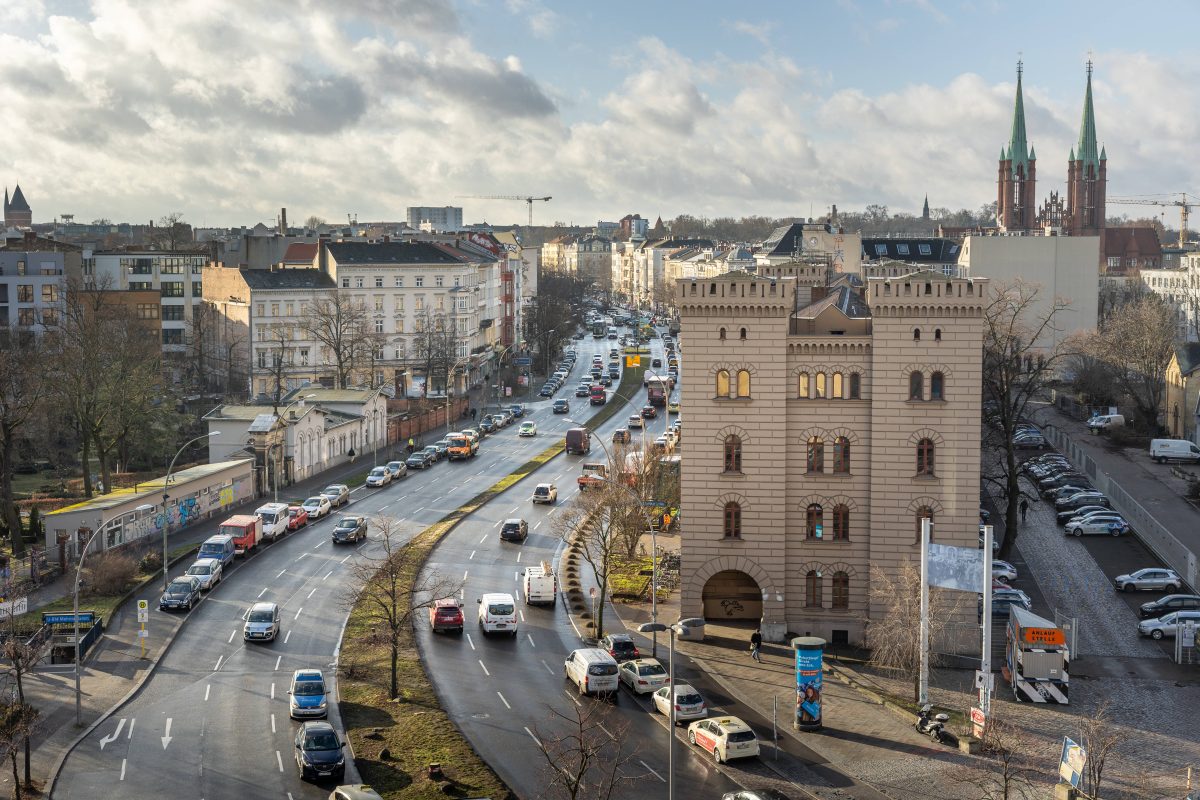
[{"x": 212, "y": 721}]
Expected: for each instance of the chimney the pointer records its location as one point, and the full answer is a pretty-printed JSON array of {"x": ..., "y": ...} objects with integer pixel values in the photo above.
[
  {"x": 323, "y": 254},
  {"x": 283, "y": 222}
]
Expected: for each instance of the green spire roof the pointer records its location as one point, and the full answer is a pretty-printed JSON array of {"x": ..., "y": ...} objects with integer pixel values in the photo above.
[
  {"x": 1018, "y": 148},
  {"x": 1087, "y": 151}
]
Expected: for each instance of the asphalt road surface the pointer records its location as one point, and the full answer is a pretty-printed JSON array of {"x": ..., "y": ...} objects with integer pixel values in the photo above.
[{"x": 212, "y": 721}]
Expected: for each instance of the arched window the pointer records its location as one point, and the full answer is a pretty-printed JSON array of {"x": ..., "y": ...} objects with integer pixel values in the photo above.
[
  {"x": 937, "y": 386},
  {"x": 804, "y": 386},
  {"x": 841, "y": 590},
  {"x": 743, "y": 383},
  {"x": 841, "y": 522},
  {"x": 722, "y": 333},
  {"x": 923, "y": 513},
  {"x": 916, "y": 386},
  {"x": 733, "y": 454},
  {"x": 742, "y": 334},
  {"x": 916, "y": 331},
  {"x": 814, "y": 522},
  {"x": 937, "y": 334},
  {"x": 723, "y": 383},
  {"x": 925, "y": 450},
  {"x": 816, "y": 454},
  {"x": 812, "y": 589},
  {"x": 836, "y": 389},
  {"x": 855, "y": 386},
  {"x": 733, "y": 521},
  {"x": 820, "y": 385},
  {"x": 841, "y": 455}
]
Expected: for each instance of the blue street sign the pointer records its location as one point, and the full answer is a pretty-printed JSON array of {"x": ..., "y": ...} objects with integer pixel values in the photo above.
[
  {"x": 523, "y": 361},
  {"x": 85, "y": 618}
]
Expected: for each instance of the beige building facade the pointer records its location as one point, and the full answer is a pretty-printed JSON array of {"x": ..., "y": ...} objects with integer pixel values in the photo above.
[{"x": 825, "y": 420}]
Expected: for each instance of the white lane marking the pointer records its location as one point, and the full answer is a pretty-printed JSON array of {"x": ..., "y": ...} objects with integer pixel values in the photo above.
[
  {"x": 277, "y": 662},
  {"x": 485, "y": 669},
  {"x": 520, "y": 611},
  {"x": 272, "y": 723},
  {"x": 497, "y": 525},
  {"x": 515, "y": 509},
  {"x": 572, "y": 697},
  {"x": 132, "y": 722},
  {"x": 116, "y": 733},
  {"x": 232, "y": 634},
  {"x": 287, "y": 636},
  {"x": 219, "y": 660},
  {"x": 470, "y": 641},
  {"x": 518, "y": 558},
  {"x": 419, "y": 510},
  {"x": 647, "y": 766},
  {"x": 207, "y": 689},
  {"x": 272, "y": 691},
  {"x": 327, "y": 574},
  {"x": 484, "y": 539},
  {"x": 464, "y": 574},
  {"x": 472, "y": 556},
  {"x": 558, "y": 477},
  {"x": 280, "y": 575},
  {"x": 502, "y": 700},
  {"x": 298, "y": 610},
  {"x": 279, "y": 760},
  {"x": 552, "y": 511},
  {"x": 531, "y": 736},
  {"x": 347, "y": 558},
  {"x": 517, "y": 577},
  {"x": 481, "y": 471},
  {"x": 264, "y": 591},
  {"x": 384, "y": 506},
  {"x": 303, "y": 555},
  {"x": 318, "y": 544},
  {"x": 166, "y": 737},
  {"x": 530, "y": 638},
  {"x": 122, "y": 769},
  {"x": 536, "y": 524},
  {"x": 314, "y": 591},
  {"x": 547, "y": 666}
]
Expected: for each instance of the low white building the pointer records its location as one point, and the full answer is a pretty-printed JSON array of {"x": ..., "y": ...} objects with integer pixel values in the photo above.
[{"x": 1180, "y": 287}]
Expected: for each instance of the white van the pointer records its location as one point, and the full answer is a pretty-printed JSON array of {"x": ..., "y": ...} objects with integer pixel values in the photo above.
[
  {"x": 540, "y": 585},
  {"x": 593, "y": 671},
  {"x": 274, "y": 518},
  {"x": 498, "y": 613},
  {"x": 1103, "y": 422},
  {"x": 1174, "y": 449}
]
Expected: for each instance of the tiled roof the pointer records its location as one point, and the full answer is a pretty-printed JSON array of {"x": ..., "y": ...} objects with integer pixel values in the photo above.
[
  {"x": 783, "y": 240},
  {"x": 390, "y": 253},
  {"x": 1188, "y": 356},
  {"x": 300, "y": 253},
  {"x": 265, "y": 279},
  {"x": 1122, "y": 242},
  {"x": 917, "y": 250}
]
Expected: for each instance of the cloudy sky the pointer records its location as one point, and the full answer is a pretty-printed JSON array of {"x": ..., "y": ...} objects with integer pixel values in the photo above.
[{"x": 227, "y": 110}]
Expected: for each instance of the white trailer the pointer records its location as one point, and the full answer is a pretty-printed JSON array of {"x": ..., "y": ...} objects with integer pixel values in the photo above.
[{"x": 1036, "y": 658}]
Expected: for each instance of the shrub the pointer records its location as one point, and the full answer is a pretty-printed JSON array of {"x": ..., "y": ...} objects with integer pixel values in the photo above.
[
  {"x": 151, "y": 562},
  {"x": 1193, "y": 491},
  {"x": 109, "y": 573}
]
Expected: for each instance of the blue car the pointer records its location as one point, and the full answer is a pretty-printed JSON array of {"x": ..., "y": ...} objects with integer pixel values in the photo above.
[
  {"x": 517, "y": 410},
  {"x": 307, "y": 695}
]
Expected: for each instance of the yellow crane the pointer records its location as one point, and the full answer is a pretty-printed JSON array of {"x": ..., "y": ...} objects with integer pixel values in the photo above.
[
  {"x": 529, "y": 201},
  {"x": 1184, "y": 208}
]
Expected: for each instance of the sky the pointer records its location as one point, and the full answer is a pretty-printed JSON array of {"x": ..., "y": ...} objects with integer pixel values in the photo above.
[{"x": 228, "y": 110}]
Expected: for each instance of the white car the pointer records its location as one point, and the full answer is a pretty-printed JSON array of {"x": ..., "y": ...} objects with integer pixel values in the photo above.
[
  {"x": 527, "y": 429},
  {"x": 317, "y": 506},
  {"x": 688, "y": 702},
  {"x": 1098, "y": 524},
  {"x": 635, "y": 422},
  {"x": 380, "y": 476},
  {"x": 725, "y": 737},
  {"x": 207, "y": 571},
  {"x": 1152, "y": 578},
  {"x": 545, "y": 493},
  {"x": 1168, "y": 624},
  {"x": 643, "y": 675}
]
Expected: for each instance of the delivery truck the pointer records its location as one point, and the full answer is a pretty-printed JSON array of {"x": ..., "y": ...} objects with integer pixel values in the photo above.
[
  {"x": 246, "y": 530},
  {"x": 540, "y": 585},
  {"x": 1036, "y": 658}
]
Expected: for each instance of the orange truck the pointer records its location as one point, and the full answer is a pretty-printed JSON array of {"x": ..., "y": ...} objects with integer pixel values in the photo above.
[
  {"x": 461, "y": 446},
  {"x": 246, "y": 530},
  {"x": 593, "y": 475}
]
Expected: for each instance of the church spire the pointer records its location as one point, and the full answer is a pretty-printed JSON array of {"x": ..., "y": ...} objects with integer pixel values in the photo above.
[
  {"x": 925, "y": 210},
  {"x": 1087, "y": 152},
  {"x": 1018, "y": 147}
]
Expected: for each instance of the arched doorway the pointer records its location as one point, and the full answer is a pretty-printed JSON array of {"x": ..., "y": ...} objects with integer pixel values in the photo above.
[{"x": 732, "y": 594}]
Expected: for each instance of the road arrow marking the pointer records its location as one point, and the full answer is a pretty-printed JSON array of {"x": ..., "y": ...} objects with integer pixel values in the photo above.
[
  {"x": 166, "y": 739},
  {"x": 116, "y": 733}
]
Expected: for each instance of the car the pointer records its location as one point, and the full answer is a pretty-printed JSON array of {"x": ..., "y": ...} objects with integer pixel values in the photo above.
[
  {"x": 547, "y": 391},
  {"x": 262, "y": 623},
  {"x": 1168, "y": 625},
  {"x": 688, "y": 702},
  {"x": 545, "y": 493},
  {"x": 319, "y": 752},
  {"x": 350, "y": 529},
  {"x": 398, "y": 469},
  {"x": 622, "y": 435},
  {"x": 649, "y": 412},
  {"x": 1005, "y": 599},
  {"x": 317, "y": 506},
  {"x": 1003, "y": 570},
  {"x": 419, "y": 460},
  {"x": 528, "y": 428},
  {"x": 338, "y": 494},
  {"x": 583, "y": 390},
  {"x": 434, "y": 454},
  {"x": 725, "y": 737},
  {"x": 1171, "y": 602},
  {"x": 297, "y": 517},
  {"x": 635, "y": 421},
  {"x": 673, "y": 407},
  {"x": 517, "y": 409},
  {"x": 1149, "y": 578},
  {"x": 380, "y": 476},
  {"x": 755, "y": 794},
  {"x": 642, "y": 675},
  {"x": 606, "y": 380},
  {"x": 1069, "y": 514},
  {"x": 1085, "y": 498},
  {"x": 486, "y": 425},
  {"x": 1098, "y": 525},
  {"x": 655, "y": 363},
  {"x": 208, "y": 571},
  {"x": 354, "y": 791},
  {"x": 620, "y": 646},
  {"x": 561, "y": 406},
  {"x": 503, "y": 418},
  {"x": 446, "y": 615},
  {"x": 308, "y": 695},
  {"x": 182, "y": 593},
  {"x": 995, "y": 541},
  {"x": 442, "y": 446},
  {"x": 514, "y": 530}
]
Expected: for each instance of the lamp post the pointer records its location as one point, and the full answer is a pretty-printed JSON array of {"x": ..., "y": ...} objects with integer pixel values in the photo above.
[
  {"x": 75, "y": 606},
  {"x": 167, "y": 496},
  {"x": 545, "y": 339},
  {"x": 680, "y": 628}
]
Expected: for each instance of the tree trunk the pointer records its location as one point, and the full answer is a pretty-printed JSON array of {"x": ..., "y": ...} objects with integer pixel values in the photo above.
[
  {"x": 102, "y": 452},
  {"x": 16, "y": 777},
  {"x": 85, "y": 454},
  {"x": 395, "y": 692},
  {"x": 8, "y": 508}
]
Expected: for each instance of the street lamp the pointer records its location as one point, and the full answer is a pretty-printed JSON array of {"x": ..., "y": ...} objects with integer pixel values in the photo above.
[
  {"x": 78, "y": 577},
  {"x": 680, "y": 628},
  {"x": 166, "y": 496}
]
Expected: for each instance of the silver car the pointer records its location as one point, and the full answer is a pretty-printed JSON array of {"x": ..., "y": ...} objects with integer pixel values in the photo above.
[
  {"x": 1168, "y": 624},
  {"x": 338, "y": 494},
  {"x": 207, "y": 571},
  {"x": 1004, "y": 570},
  {"x": 1098, "y": 525},
  {"x": 688, "y": 702},
  {"x": 1149, "y": 578}
]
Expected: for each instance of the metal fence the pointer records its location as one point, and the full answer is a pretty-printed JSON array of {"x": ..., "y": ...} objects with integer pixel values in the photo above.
[
  {"x": 1070, "y": 628},
  {"x": 1153, "y": 534}
]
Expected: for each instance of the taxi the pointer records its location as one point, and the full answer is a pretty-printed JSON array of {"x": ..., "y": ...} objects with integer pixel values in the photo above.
[{"x": 725, "y": 737}]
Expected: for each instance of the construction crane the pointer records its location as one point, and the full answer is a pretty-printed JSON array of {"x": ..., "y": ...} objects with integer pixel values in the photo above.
[
  {"x": 1184, "y": 208},
  {"x": 529, "y": 201}
]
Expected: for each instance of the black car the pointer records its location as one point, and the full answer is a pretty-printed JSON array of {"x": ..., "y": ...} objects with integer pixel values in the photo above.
[
  {"x": 182, "y": 593},
  {"x": 486, "y": 425},
  {"x": 649, "y": 412},
  {"x": 350, "y": 529},
  {"x": 435, "y": 455},
  {"x": 561, "y": 406},
  {"x": 418, "y": 460},
  {"x": 1172, "y": 602},
  {"x": 620, "y": 646},
  {"x": 319, "y": 752},
  {"x": 606, "y": 380},
  {"x": 514, "y": 530}
]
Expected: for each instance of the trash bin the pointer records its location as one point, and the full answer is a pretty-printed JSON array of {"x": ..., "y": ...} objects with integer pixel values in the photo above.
[{"x": 693, "y": 630}]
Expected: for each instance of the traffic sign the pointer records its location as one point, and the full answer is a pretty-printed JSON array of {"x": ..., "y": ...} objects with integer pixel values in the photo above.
[
  {"x": 85, "y": 618},
  {"x": 978, "y": 720},
  {"x": 523, "y": 361},
  {"x": 142, "y": 634}
]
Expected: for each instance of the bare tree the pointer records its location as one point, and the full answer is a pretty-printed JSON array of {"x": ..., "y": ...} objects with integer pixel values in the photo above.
[
  {"x": 171, "y": 233},
  {"x": 394, "y": 588},
  {"x": 585, "y": 762},
  {"x": 17, "y": 721},
  {"x": 1019, "y": 358},
  {"x": 435, "y": 349},
  {"x": 895, "y": 637},
  {"x": 592, "y": 526},
  {"x": 1012, "y": 774},
  {"x": 1138, "y": 344},
  {"x": 1099, "y": 737},
  {"x": 22, "y": 389},
  {"x": 278, "y": 360},
  {"x": 22, "y": 658},
  {"x": 314, "y": 222},
  {"x": 343, "y": 328}
]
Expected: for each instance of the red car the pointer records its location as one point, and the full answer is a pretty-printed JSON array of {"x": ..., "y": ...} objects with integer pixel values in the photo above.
[
  {"x": 297, "y": 517},
  {"x": 446, "y": 615},
  {"x": 649, "y": 412}
]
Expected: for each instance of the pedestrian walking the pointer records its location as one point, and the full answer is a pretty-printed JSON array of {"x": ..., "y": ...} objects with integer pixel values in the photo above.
[
  {"x": 756, "y": 645},
  {"x": 1024, "y": 509}
]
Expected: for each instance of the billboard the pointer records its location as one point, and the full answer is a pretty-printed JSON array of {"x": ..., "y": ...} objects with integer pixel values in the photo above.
[{"x": 958, "y": 568}]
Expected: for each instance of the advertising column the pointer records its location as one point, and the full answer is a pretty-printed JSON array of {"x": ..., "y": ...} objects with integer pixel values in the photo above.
[{"x": 810, "y": 651}]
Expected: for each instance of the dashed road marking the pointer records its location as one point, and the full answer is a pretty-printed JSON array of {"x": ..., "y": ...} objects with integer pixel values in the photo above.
[
  {"x": 464, "y": 574},
  {"x": 531, "y": 736},
  {"x": 520, "y": 611},
  {"x": 547, "y": 666},
  {"x": 122, "y": 769},
  {"x": 502, "y": 700},
  {"x": 484, "y": 537},
  {"x": 327, "y": 574},
  {"x": 485, "y": 669},
  {"x": 298, "y": 610},
  {"x": 272, "y": 691},
  {"x": 272, "y": 723},
  {"x": 264, "y": 591},
  {"x": 279, "y": 760},
  {"x": 519, "y": 558},
  {"x": 132, "y": 722},
  {"x": 572, "y": 697},
  {"x": 530, "y": 638},
  {"x": 318, "y": 544},
  {"x": 280, "y": 575},
  {"x": 278, "y": 661},
  {"x": 347, "y": 558},
  {"x": 303, "y": 555},
  {"x": 647, "y": 766},
  {"x": 207, "y": 689},
  {"x": 287, "y": 636},
  {"x": 470, "y": 641},
  {"x": 232, "y": 634},
  {"x": 219, "y": 660},
  {"x": 314, "y": 591},
  {"x": 472, "y": 556}
]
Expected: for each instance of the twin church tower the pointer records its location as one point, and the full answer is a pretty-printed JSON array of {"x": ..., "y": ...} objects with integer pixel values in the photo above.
[{"x": 1081, "y": 212}]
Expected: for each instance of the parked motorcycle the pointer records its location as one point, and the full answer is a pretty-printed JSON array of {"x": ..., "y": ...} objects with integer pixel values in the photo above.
[{"x": 933, "y": 727}]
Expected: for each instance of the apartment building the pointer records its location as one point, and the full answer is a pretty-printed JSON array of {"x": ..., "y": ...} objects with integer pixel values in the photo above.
[
  {"x": 830, "y": 417},
  {"x": 436, "y": 219},
  {"x": 33, "y": 283},
  {"x": 1180, "y": 287},
  {"x": 177, "y": 276},
  {"x": 639, "y": 268}
]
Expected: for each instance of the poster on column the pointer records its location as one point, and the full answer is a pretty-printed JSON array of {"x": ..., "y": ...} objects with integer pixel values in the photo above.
[{"x": 808, "y": 687}]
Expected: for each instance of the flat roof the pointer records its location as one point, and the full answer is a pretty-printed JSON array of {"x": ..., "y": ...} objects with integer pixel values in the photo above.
[{"x": 152, "y": 488}]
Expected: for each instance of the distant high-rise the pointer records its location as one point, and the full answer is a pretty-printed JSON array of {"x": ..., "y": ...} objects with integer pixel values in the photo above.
[
  {"x": 444, "y": 219},
  {"x": 17, "y": 213}
]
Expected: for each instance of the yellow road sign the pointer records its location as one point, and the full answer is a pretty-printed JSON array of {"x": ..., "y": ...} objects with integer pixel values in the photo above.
[{"x": 633, "y": 361}]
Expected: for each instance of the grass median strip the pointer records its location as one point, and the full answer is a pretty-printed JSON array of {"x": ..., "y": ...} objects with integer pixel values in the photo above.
[{"x": 395, "y": 741}]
